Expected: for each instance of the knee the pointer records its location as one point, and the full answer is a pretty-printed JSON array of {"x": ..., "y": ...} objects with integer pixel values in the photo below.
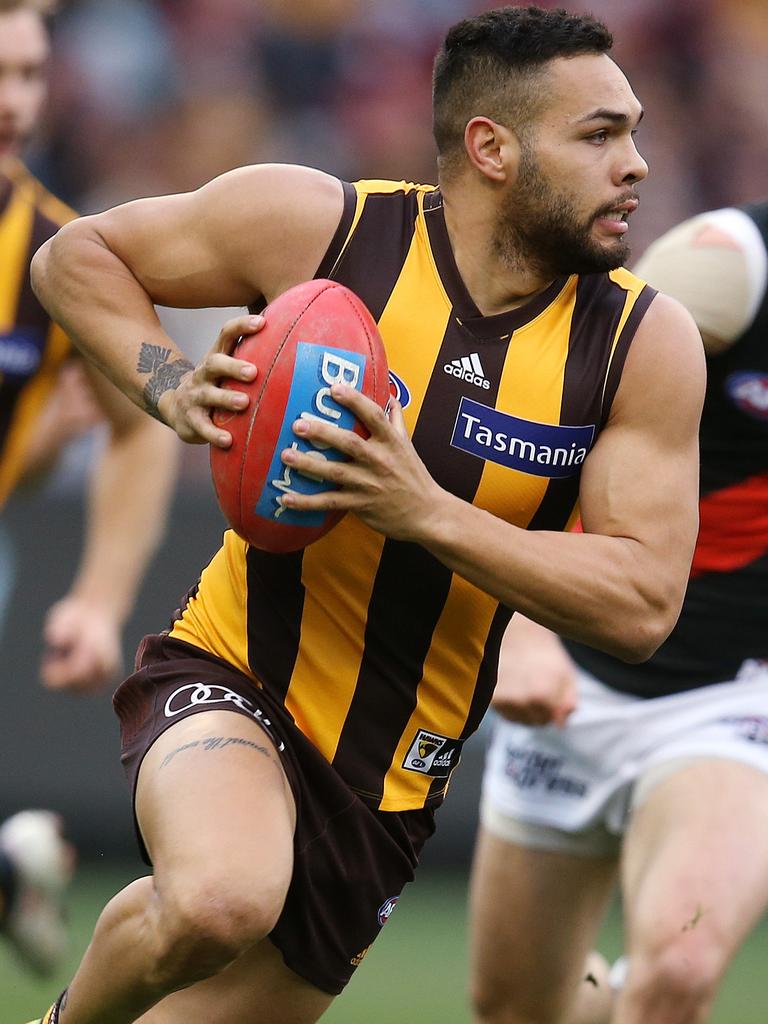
[
  {"x": 683, "y": 972},
  {"x": 499, "y": 1004},
  {"x": 206, "y": 927}
]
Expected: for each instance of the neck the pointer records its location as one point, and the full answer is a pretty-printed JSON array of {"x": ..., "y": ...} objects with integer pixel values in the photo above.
[{"x": 494, "y": 285}]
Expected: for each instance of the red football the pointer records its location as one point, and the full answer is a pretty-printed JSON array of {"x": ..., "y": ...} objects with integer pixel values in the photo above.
[{"x": 315, "y": 334}]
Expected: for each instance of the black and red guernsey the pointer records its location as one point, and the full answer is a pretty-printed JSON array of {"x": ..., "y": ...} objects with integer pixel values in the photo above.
[{"x": 724, "y": 620}]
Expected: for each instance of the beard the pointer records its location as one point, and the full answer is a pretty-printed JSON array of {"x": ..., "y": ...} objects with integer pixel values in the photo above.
[{"x": 539, "y": 230}]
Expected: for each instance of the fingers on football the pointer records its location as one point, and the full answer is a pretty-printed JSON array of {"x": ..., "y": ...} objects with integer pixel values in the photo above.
[
  {"x": 217, "y": 366},
  {"x": 326, "y": 435},
  {"x": 197, "y": 427},
  {"x": 365, "y": 409},
  {"x": 233, "y": 330}
]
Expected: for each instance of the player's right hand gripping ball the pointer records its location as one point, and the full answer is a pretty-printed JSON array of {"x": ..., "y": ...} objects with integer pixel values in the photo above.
[{"x": 315, "y": 334}]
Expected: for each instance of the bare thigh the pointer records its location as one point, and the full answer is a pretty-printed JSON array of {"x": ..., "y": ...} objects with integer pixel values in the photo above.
[
  {"x": 696, "y": 859},
  {"x": 217, "y": 816},
  {"x": 212, "y": 789},
  {"x": 534, "y": 918}
]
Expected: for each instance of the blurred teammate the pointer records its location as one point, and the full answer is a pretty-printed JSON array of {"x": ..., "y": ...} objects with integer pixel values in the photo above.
[
  {"x": 45, "y": 400},
  {"x": 291, "y": 735},
  {"x": 665, "y": 764}
]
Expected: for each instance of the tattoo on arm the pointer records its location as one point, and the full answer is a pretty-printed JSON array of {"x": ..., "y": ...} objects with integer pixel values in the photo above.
[
  {"x": 165, "y": 375},
  {"x": 215, "y": 743}
]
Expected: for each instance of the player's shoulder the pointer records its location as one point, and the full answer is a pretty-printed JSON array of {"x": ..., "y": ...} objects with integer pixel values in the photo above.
[
  {"x": 658, "y": 312},
  {"x": 666, "y": 358}
]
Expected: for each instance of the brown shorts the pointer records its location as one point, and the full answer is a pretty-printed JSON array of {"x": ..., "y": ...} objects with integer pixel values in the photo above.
[{"x": 350, "y": 860}]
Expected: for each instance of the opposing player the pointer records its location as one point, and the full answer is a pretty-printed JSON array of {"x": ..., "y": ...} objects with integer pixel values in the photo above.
[
  {"x": 292, "y": 733},
  {"x": 663, "y": 766},
  {"x": 44, "y": 401}
]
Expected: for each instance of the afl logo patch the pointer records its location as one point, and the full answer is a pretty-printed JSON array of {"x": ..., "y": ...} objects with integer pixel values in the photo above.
[
  {"x": 399, "y": 390},
  {"x": 386, "y": 908},
  {"x": 748, "y": 390}
]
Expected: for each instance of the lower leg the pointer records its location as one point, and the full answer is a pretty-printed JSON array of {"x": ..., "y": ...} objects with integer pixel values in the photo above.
[
  {"x": 534, "y": 915},
  {"x": 695, "y": 880},
  {"x": 677, "y": 985},
  {"x": 133, "y": 961}
]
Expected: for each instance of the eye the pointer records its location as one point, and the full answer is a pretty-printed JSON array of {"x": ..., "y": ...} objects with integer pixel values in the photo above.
[{"x": 599, "y": 137}]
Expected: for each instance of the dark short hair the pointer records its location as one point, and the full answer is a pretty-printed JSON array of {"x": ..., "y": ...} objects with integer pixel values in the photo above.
[
  {"x": 45, "y": 8},
  {"x": 491, "y": 64}
]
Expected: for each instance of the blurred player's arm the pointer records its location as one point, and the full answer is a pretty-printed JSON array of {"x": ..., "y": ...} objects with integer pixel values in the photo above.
[
  {"x": 537, "y": 678},
  {"x": 716, "y": 265},
  {"x": 69, "y": 412},
  {"x": 227, "y": 244},
  {"x": 129, "y": 493}
]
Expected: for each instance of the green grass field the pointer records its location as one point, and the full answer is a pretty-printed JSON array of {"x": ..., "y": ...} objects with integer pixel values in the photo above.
[{"x": 415, "y": 972}]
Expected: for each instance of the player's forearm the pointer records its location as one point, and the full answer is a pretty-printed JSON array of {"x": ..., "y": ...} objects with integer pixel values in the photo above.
[
  {"x": 130, "y": 491},
  {"x": 106, "y": 312},
  {"x": 604, "y": 591}
]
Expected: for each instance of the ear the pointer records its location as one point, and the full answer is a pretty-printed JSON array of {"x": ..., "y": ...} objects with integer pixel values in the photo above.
[{"x": 492, "y": 149}]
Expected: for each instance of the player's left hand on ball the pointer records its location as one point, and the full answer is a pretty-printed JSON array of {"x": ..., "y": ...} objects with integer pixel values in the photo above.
[
  {"x": 190, "y": 407},
  {"x": 384, "y": 481},
  {"x": 82, "y": 651}
]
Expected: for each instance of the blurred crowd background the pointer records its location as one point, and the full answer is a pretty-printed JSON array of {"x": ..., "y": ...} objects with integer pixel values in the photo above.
[{"x": 151, "y": 96}]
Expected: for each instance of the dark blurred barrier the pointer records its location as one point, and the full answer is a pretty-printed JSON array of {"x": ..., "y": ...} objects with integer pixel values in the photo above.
[{"x": 62, "y": 751}]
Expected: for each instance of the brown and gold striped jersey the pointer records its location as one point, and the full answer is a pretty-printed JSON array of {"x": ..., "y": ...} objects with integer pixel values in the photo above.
[
  {"x": 32, "y": 348},
  {"x": 383, "y": 656}
]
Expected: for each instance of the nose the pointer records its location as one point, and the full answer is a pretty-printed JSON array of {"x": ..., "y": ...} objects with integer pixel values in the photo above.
[
  {"x": 10, "y": 94},
  {"x": 634, "y": 168}
]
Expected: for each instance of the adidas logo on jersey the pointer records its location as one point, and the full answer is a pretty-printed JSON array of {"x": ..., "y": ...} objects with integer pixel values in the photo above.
[{"x": 470, "y": 369}]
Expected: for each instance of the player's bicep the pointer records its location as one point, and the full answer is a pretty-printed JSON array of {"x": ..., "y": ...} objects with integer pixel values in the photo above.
[
  {"x": 640, "y": 482},
  {"x": 242, "y": 235}
]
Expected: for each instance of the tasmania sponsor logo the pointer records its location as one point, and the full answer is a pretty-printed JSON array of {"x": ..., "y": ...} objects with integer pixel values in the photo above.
[
  {"x": 541, "y": 449},
  {"x": 399, "y": 389},
  {"x": 468, "y": 368},
  {"x": 432, "y": 754},
  {"x": 748, "y": 390},
  {"x": 386, "y": 908}
]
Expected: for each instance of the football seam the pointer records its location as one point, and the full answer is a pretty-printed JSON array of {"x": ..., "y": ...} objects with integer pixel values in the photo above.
[{"x": 364, "y": 325}]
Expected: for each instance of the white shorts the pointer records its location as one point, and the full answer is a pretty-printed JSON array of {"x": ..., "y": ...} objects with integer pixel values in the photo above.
[{"x": 573, "y": 789}]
